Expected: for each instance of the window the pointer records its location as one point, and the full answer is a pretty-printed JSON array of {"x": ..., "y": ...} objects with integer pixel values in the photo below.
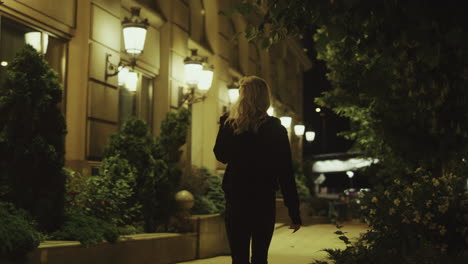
[
  {"x": 13, "y": 37},
  {"x": 135, "y": 98}
]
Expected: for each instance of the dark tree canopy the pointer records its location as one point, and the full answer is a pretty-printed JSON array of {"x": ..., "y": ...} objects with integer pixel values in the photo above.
[
  {"x": 32, "y": 131},
  {"x": 399, "y": 71}
]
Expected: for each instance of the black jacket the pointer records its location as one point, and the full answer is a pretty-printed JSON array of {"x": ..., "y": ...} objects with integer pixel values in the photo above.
[{"x": 258, "y": 163}]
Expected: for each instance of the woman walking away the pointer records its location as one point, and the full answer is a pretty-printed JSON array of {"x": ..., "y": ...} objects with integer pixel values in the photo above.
[{"x": 255, "y": 147}]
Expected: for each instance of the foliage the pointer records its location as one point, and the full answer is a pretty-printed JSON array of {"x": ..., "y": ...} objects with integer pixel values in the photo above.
[
  {"x": 426, "y": 210},
  {"x": 18, "y": 234},
  {"x": 32, "y": 130},
  {"x": 153, "y": 164},
  {"x": 209, "y": 199},
  {"x": 133, "y": 146},
  {"x": 88, "y": 230},
  {"x": 167, "y": 149},
  {"x": 398, "y": 71}
]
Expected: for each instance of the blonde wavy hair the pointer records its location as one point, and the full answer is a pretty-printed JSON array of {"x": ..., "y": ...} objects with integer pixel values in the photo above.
[{"x": 251, "y": 107}]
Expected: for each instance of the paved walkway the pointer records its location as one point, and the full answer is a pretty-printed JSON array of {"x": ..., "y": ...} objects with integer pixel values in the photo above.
[{"x": 301, "y": 247}]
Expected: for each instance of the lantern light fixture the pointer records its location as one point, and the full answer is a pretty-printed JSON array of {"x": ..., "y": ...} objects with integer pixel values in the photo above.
[
  {"x": 134, "y": 33},
  {"x": 198, "y": 75},
  {"x": 299, "y": 130},
  {"x": 38, "y": 40},
  {"x": 233, "y": 90},
  {"x": 271, "y": 111},
  {"x": 310, "y": 136},
  {"x": 286, "y": 121},
  {"x": 318, "y": 109},
  {"x": 131, "y": 81},
  {"x": 205, "y": 78},
  {"x": 193, "y": 67}
]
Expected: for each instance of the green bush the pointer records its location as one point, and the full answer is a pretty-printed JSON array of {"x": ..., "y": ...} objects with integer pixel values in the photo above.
[
  {"x": 18, "y": 235},
  {"x": 208, "y": 192},
  {"x": 32, "y": 131},
  {"x": 88, "y": 230},
  {"x": 110, "y": 195}
]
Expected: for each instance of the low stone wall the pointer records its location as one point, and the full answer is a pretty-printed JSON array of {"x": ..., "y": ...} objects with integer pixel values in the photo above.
[
  {"x": 209, "y": 239},
  {"x": 157, "y": 248},
  {"x": 212, "y": 237}
]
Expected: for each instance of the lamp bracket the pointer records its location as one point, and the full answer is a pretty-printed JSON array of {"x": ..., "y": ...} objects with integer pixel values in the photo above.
[
  {"x": 190, "y": 97},
  {"x": 112, "y": 69}
]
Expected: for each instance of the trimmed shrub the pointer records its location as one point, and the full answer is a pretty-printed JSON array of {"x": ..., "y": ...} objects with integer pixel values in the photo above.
[
  {"x": 18, "y": 235},
  {"x": 88, "y": 230},
  {"x": 32, "y": 131}
]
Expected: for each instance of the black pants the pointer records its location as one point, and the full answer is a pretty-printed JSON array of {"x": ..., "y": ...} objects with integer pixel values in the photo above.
[{"x": 250, "y": 219}]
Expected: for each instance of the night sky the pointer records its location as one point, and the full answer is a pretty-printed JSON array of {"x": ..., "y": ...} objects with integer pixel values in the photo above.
[{"x": 325, "y": 124}]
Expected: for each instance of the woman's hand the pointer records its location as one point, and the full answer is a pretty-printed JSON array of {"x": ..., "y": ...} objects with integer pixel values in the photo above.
[{"x": 295, "y": 227}]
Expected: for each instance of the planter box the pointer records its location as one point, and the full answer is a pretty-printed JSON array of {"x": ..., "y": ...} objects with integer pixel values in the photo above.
[
  {"x": 208, "y": 240},
  {"x": 157, "y": 248},
  {"x": 212, "y": 237}
]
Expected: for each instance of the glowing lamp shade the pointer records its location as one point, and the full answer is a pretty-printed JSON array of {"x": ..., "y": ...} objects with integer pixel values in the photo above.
[
  {"x": 134, "y": 39},
  {"x": 299, "y": 130},
  {"x": 38, "y": 40},
  {"x": 122, "y": 76},
  {"x": 286, "y": 121},
  {"x": 131, "y": 81},
  {"x": 205, "y": 79},
  {"x": 192, "y": 72},
  {"x": 310, "y": 136},
  {"x": 233, "y": 94},
  {"x": 271, "y": 111}
]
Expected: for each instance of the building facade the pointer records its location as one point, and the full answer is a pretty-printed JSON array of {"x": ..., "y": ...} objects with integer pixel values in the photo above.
[{"x": 77, "y": 36}]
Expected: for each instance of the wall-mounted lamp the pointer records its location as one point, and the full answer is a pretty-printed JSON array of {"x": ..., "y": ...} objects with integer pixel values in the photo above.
[
  {"x": 38, "y": 40},
  {"x": 198, "y": 75},
  {"x": 233, "y": 90},
  {"x": 271, "y": 111},
  {"x": 310, "y": 136},
  {"x": 286, "y": 121},
  {"x": 193, "y": 66},
  {"x": 205, "y": 78},
  {"x": 299, "y": 130},
  {"x": 134, "y": 34}
]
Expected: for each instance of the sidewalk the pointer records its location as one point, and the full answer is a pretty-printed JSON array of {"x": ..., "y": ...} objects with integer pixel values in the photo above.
[{"x": 299, "y": 248}]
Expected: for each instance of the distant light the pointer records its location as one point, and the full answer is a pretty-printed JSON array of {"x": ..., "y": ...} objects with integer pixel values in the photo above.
[
  {"x": 4, "y": 63},
  {"x": 286, "y": 121},
  {"x": 336, "y": 165},
  {"x": 350, "y": 174},
  {"x": 318, "y": 109},
  {"x": 310, "y": 136},
  {"x": 299, "y": 130},
  {"x": 203, "y": 12},
  {"x": 271, "y": 111}
]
